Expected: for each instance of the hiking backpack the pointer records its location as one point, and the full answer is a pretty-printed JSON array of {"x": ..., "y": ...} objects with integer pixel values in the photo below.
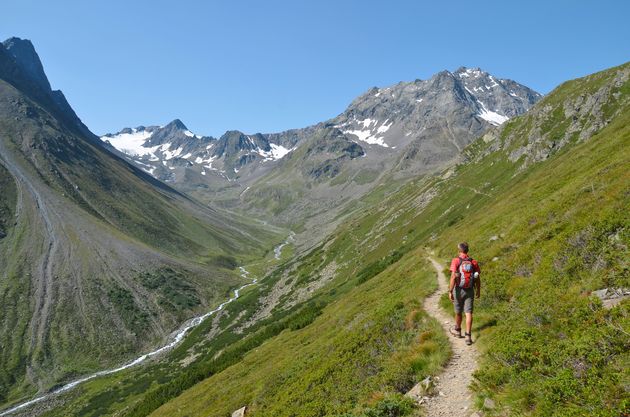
[{"x": 466, "y": 272}]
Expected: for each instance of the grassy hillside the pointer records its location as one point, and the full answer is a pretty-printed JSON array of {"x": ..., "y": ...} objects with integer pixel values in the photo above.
[
  {"x": 544, "y": 207},
  {"x": 8, "y": 200},
  {"x": 375, "y": 334}
]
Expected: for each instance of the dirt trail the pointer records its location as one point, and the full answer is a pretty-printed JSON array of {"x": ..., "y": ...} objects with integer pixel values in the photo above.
[{"x": 453, "y": 398}]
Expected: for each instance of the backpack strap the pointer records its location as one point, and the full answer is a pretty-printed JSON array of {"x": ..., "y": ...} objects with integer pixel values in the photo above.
[{"x": 468, "y": 258}]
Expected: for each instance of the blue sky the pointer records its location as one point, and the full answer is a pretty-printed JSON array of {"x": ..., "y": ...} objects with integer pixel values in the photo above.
[{"x": 272, "y": 65}]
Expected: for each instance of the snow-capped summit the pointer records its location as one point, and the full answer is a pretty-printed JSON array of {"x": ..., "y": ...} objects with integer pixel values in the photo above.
[
  {"x": 168, "y": 152},
  {"x": 497, "y": 99},
  {"x": 413, "y": 125}
]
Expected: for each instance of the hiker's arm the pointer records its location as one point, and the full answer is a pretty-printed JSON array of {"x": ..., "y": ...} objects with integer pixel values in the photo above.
[
  {"x": 451, "y": 285},
  {"x": 478, "y": 286}
]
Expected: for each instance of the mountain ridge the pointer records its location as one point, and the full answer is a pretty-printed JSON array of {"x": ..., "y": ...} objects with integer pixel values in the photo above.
[{"x": 409, "y": 128}]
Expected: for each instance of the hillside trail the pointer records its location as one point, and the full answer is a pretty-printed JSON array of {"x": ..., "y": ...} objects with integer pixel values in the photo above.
[{"x": 453, "y": 396}]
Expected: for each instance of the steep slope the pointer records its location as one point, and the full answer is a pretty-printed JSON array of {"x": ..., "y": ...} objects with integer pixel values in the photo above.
[
  {"x": 399, "y": 131},
  {"x": 548, "y": 232},
  {"x": 98, "y": 260}
]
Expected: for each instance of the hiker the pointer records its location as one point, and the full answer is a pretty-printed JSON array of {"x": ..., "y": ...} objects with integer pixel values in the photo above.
[{"x": 465, "y": 284}]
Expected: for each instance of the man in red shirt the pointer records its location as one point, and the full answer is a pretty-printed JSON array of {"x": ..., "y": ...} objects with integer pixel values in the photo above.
[{"x": 465, "y": 284}]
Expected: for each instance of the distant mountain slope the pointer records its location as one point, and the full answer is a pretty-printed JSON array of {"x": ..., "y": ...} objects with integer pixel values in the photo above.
[
  {"x": 98, "y": 260},
  {"x": 400, "y": 131}
]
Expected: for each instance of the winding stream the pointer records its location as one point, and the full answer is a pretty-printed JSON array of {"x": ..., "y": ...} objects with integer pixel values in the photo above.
[
  {"x": 178, "y": 338},
  {"x": 277, "y": 251}
]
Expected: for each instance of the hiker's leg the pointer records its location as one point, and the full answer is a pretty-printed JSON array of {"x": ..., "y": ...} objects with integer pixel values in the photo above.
[
  {"x": 469, "y": 320},
  {"x": 468, "y": 309},
  {"x": 459, "y": 308},
  {"x": 458, "y": 320}
]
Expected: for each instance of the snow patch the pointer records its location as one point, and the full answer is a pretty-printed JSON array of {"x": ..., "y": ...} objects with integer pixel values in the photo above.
[
  {"x": 384, "y": 127},
  {"x": 370, "y": 133},
  {"x": 209, "y": 162},
  {"x": 276, "y": 152},
  {"x": 491, "y": 116},
  {"x": 168, "y": 154},
  {"x": 470, "y": 73},
  {"x": 131, "y": 143}
]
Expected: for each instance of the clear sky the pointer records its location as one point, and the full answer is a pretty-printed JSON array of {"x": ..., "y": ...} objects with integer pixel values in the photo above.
[{"x": 272, "y": 65}]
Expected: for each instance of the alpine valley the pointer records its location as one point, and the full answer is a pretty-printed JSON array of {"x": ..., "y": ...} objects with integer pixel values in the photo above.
[{"x": 126, "y": 260}]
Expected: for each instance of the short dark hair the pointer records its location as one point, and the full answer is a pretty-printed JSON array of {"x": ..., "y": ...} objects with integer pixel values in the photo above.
[{"x": 463, "y": 247}]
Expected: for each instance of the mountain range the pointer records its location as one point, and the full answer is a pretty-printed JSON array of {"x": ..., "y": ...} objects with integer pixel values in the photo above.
[{"x": 401, "y": 131}]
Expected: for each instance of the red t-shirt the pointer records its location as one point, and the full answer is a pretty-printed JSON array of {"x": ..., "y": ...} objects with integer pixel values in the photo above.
[{"x": 455, "y": 263}]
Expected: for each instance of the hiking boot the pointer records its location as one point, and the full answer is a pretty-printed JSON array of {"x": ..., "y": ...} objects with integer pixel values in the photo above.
[
  {"x": 456, "y": 332},
  {"x": 468, "y": 339}
]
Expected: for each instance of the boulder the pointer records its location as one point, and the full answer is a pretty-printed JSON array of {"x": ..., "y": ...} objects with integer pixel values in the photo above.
[
  {"x": 612, "y": 296},
  {"x": 489, "y": 404},
  {"x": 241, "y": 412},
  {"x": 421, "y": 389}
]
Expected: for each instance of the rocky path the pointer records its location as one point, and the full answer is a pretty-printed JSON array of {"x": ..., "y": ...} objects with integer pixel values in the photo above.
[{"x": 453, "y": 397}]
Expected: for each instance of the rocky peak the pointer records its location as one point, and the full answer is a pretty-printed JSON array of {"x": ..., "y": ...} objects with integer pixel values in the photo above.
[
  {"x": 176, "y": 125},
  {"x": 233, "y": 141},
  {"x": 504, "y": 97},
  {"x": 21, "y": 67},
  {"x": 175, "y": 133},
  {"x": 25, "y": 56},
  {"x": 443, "y": 76}
]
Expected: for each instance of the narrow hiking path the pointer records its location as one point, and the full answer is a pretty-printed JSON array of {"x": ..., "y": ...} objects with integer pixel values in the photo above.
[{"x": 453, "y": 396}]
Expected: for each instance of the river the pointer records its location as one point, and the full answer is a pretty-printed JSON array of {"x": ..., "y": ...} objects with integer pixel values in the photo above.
[{"x": 179, "y": 336}]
